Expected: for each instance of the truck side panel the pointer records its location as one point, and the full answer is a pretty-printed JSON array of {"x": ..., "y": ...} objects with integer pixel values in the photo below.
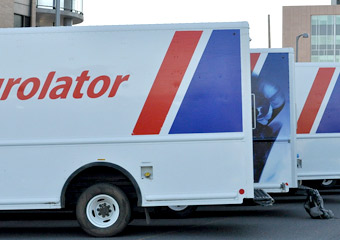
[
  {"x": 141, "y": 98},
  {"x": 318, "y": 133}
]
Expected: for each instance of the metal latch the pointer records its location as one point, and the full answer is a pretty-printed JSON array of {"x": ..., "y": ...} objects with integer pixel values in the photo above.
[{"x": 299, "y": 162}]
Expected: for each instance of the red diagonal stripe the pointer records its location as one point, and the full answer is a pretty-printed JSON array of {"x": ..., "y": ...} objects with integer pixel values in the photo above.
[
  {"x": 167, "y": 82},
  {"x": 253, "y": 60},
  {"x": 314, "y": 100}
]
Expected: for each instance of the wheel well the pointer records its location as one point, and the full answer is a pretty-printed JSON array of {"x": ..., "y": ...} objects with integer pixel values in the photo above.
[{"x": 99, "y": 173}]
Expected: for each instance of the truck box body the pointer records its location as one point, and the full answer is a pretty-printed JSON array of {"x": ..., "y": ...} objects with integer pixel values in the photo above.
[
  {"x": 318, "y": 122},
  {"x": 274, "y": 126},
  {"x": 167, "y": 105}
]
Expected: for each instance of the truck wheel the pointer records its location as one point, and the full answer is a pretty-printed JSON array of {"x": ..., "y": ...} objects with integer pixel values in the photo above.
[
  {"x": 103, "y": 210},
  {"x": 175, "y": 211},
  {"x": 181, "y": 211},
  {"x": 328, "y": 183}
]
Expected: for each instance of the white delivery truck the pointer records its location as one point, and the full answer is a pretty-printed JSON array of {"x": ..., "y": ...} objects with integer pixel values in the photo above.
[
  {"x": 274, "y": 119},
  {"x": 318, "y": 123},
  {"x": 104, "y": 119}
]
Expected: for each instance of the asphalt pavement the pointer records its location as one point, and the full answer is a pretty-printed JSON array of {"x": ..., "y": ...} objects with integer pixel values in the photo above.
[{"x": 286, "y": 219}]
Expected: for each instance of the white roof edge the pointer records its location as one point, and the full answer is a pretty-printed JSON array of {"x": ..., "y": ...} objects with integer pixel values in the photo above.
[
  {"x": 318, "y": 64},
  {"x": 135, "y": 27},
  {"x": 271, "y": 50}
]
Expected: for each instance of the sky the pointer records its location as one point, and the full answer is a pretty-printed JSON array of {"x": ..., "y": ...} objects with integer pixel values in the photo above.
[{"x": 255, "y": 12}]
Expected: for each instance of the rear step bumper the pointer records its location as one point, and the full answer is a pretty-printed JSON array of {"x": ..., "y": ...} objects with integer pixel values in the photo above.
[{"x": 262, "y": 198}]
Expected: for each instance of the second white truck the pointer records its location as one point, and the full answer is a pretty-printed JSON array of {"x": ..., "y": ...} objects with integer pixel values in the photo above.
[{"x": 318, "y": 123}]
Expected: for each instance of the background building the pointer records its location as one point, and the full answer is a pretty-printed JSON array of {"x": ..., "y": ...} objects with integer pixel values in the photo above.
[
  {"x": 37, "y": 13},
  {"x": 322, "y": 23}
]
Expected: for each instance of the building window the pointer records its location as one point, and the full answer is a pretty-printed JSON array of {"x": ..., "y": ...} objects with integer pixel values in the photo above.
[
  {"x": 325, "y": 38},
  {"x": 21, "y": 21}
]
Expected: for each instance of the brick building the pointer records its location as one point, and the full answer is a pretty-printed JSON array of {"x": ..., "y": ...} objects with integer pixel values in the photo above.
[
  {"x": 322, "y": 23},
  {"x": 36, "y": 13}
]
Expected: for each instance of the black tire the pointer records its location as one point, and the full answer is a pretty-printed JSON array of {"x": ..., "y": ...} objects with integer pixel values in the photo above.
[
  {"x": 172, "y": 212},
  {"x": 98, "y": 214},
  {"x": 188, "y": 211}
]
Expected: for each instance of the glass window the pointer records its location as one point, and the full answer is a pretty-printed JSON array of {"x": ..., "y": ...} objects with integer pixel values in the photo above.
[
  {"x": 330, "y": 19},
  {"x": 322, "y": 29},
  {"x": 78, "y": 5},
  {"x": 49, "y": 4},
  {"x": 45, "y": 3},
  {"x": 325, "y": 38},
  {"x": 315, "y": 21},
  {"x": 330, "y": 30},
  {"x": 314, "y": 32},
  {"x": 322, "y": 47},
  {"x": 322, "y": 19},
  {"x": 314, "y": 58},
  {"x": 27, "y": 21},
  {"x": 322, "y": 40},
  {"x": 330, "y": 40},
  {"x": 323, "y": 58},
  {"x": 18, "y": 20},
  {"x": 21, "y": 21},
  {"x": 314, "y": 39}
]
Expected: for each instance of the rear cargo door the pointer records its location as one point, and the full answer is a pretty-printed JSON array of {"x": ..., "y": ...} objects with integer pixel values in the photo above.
[{"x": 272, "y": 128}]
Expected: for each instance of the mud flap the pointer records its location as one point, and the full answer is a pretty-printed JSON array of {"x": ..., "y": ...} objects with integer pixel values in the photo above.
[{"x": 314, "y": 204}]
